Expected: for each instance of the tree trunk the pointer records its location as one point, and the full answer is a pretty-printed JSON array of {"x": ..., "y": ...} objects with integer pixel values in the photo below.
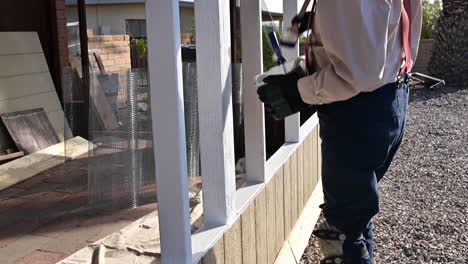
[{"x": 450, "y": 55}]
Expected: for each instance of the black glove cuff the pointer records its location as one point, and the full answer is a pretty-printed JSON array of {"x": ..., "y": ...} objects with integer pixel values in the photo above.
[{"x": 293, "y": 95}]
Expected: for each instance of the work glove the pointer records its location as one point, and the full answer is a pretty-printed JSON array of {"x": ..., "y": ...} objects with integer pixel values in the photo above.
[
  {"x": 301, "y": 22},
  {"x": 281, "y": 96}
]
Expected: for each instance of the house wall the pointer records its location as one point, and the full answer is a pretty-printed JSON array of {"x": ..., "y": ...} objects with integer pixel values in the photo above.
[
  {"x": 260, "y": 233},
  {"x": 113, "y": 17},
  {"x": 424, "y": 56}
]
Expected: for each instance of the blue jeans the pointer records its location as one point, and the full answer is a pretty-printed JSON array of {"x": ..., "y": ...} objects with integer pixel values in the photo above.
[{"x": 360, "y": 138}]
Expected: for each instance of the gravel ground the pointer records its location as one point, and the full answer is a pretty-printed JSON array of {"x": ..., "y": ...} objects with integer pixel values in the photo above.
[{"x": 424, "y": 197}]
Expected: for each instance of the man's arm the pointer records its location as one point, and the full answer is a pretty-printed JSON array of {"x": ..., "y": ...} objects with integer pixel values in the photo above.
[{"x": 354, "y": 36}]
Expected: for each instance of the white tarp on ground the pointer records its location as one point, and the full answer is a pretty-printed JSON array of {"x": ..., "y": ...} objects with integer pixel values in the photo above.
[{"x": 137, "y": 243}]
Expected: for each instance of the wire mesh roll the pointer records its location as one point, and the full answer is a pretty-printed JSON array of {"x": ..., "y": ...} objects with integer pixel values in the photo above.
[{"x": 189, "y": 71}]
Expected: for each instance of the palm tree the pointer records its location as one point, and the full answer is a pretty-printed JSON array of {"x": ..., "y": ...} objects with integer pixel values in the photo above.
[{"x": 450, "y": 55}]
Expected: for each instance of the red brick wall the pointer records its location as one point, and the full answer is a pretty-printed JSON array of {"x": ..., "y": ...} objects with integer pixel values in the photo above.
[{"x": 62, "y": 33}]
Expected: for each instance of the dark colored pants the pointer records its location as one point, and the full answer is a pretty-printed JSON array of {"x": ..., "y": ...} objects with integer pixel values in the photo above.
[{"x": 360, "y": 137}]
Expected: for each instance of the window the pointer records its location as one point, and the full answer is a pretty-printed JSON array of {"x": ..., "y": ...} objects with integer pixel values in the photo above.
[{"x": 136, "y": 28}]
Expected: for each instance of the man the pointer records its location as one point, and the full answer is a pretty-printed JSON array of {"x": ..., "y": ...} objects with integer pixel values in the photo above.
[{"x": 361, "y": 51}]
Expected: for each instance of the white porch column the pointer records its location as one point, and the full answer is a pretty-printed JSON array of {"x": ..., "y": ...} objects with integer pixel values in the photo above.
[
  {"x": 292, "y": 123},
  {"x": 215, "y": 110},
  {"x": 167, "y": 106},
  {"x": 252, "y": 65}
]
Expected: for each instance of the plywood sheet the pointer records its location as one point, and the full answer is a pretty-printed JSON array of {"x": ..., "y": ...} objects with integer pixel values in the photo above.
[
  {"x": 25, "y": 81},
  {"x": 31, "y": 130},
  {"x": 49, "y": 101},
  {"x": 28, "y": 166},
  {"x": 19, "y": 86},
  {"x": 102, "y": 106},
  {"x": 19, "y": 43},
  {"x": 22, "y": 64}
]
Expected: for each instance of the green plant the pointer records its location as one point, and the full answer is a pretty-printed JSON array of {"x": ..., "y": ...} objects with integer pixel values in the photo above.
[
  {"x": 193, "y": 32},
  {"x": 268, "y": 52},
  {"x": 142, "y": 47},
  {"x": 431, "y": 12}
]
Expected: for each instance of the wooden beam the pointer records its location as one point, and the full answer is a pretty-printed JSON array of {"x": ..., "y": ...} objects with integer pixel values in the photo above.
[
  {"x": 83, "y": 30},
  {"x": 252, "y": 63},
  {"x": 11, "y": 156},
  {"x": 165, "y": 72},
  {"x": 215, "y": 110},
  {"x": 292, "y": 123}
]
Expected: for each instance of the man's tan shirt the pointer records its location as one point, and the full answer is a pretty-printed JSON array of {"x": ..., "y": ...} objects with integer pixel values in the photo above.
[{"x": 357, "y": 47}]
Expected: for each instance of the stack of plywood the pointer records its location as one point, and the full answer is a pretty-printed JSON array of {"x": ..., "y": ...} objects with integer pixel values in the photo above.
[
  {"x": 25, "y": 81},
  {"x": 25, "y": 84}
]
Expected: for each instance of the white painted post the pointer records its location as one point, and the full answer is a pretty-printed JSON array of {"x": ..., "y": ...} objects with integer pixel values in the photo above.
[
  {"x": 215, "y": 110},
  {"x": 167, "y": 105},
  {"x": 292, "y": 123},
  {"x": 252, "y": 65}
]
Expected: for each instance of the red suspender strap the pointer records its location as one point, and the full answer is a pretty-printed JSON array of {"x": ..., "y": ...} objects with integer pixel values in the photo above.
[
  {"x": 406, "y": 35},
  {"x": 307, "y": 44}
]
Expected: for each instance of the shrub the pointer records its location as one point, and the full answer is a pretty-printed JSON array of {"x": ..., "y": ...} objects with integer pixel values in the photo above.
[
  {"x": 431, "y": 12},
  {"x": 142, "y": 47}
]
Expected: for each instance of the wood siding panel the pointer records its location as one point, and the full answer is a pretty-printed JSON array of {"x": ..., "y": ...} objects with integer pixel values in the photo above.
[
  {"x": 316, "y": 158},
  {"x": 216, "y": 254},
  {"x": 287, "y": 198},
  {"x": 312, "y": 143},
  {"x": 319, "y": 154},
  {"x": 30, "y": 129},
  {"x": 20, "y": 86},
  {"x": 279, "y": 182},
  {"x": 271, "y": 220},
  {"x": 49, "y": 101},
  {"x": 300, "y": 178},
  {"x": 249, "y": 253},
  {"x": 307, "y": 168},
  {"x": 14, "y": 43},
  {"x": 23, "y": 64},
  {"x": 294, "y": 203},
  {"x": 261, "y": 228},
  {"x": 233, "y": 244}
]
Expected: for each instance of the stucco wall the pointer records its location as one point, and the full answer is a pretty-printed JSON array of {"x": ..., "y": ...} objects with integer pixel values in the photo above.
[
  {"x": 113, "y": 16},
  {"x": 424, "y": 56}
]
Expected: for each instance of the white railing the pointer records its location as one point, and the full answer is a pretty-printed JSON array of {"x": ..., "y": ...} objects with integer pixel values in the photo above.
[{"x": 223, "y": 204}]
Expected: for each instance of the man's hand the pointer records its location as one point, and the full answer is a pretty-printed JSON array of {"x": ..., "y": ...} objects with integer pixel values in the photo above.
[{"x": 281, "y": 95}]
